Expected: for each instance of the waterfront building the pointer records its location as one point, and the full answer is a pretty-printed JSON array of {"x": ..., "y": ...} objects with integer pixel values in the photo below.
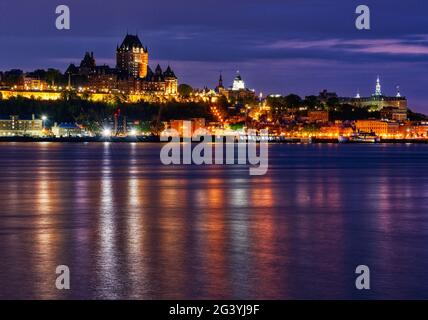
[
  {"x": 198, "y": 124},
  {"x": 16, "y": 126},
  {"x": 179, "y": 126},
  {"x": 379, "y": 127},
  {"x": 66, "y": 130}
]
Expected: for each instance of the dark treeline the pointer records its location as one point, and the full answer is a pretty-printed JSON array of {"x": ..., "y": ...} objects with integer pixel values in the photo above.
[{"x": 84, "y": 111}]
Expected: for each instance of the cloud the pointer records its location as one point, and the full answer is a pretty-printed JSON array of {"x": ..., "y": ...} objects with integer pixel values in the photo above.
[{"x": 411, "y": 45}]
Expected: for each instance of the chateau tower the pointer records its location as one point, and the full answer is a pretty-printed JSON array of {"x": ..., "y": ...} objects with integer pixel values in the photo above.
[
  {"x": 132, "y": 58},
  {"x": 171, "y": 83}
]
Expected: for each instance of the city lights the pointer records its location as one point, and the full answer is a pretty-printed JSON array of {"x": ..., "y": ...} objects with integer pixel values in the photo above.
[{"x": 106, "y": 132}]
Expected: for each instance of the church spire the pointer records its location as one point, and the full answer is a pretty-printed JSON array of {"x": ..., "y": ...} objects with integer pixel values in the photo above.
[
  {"x": 358, "y": 96},
  {"x": 398, "y": 92},
  {"x": 378, "y": 91},
  {"x": 220, "y": 81}
]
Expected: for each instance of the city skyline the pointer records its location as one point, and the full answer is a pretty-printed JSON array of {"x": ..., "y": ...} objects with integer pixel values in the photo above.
[{"x": 272, "y": 46}]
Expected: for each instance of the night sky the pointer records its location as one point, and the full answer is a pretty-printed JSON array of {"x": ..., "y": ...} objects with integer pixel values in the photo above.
[{"x": 279, "y": 46}]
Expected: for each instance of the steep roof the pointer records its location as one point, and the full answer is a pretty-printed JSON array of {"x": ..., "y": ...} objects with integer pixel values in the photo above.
[
  {"x": 169, "y": 73},
  {"x": 158, "y": 76},
  {"x": 149, "y": 76},
  {"x": 131, "y": 41}
]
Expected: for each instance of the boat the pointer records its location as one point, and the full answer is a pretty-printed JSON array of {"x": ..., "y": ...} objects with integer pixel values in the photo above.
[{"x": 364, "y": 137}]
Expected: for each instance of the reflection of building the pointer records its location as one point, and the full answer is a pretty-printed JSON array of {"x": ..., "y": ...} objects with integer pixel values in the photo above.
[{"x": 14, "y": 126}]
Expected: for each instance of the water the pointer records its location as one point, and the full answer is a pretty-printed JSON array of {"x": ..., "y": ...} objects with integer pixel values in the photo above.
[{"x": 129, "y": 227}]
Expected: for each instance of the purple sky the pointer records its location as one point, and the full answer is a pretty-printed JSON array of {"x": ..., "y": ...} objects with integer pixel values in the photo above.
[{"x": 279, "y": 46}]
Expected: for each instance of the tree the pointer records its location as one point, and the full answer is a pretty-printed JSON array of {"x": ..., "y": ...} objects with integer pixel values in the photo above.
[
  {"x": 185, "y": 90},
  {"x": 54, "y": 76},
  {"x": 293, "y": 100},
  {"x": 311, "y": 102},
  {"x": 156, "y": 127},
  {"x": 333, "y": 102},
  {"x": 13, "y": 77}
]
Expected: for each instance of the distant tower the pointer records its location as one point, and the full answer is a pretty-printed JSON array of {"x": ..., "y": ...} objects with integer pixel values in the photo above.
[
  {"x": 87, "y": 65},
  {"x": 171, "y": 81},
  {"x": 220, "y": 87},
  {"x": 378, "y": 91},
  {"x": 238, "y": 83},
  {"x": 398, "y": 92},
  {"x": 220, "y": 81},
  {"x": 358, "y": 96},
  {"x": 132, "y": 58}
]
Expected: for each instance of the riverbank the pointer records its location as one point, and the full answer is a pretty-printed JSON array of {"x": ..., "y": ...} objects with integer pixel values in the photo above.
[
  {"x": 81, "y": 139},
  {"x": 157, "y": 139}
]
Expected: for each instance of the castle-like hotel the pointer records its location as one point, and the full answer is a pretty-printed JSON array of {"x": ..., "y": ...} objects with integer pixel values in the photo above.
[{"x": 132, "y": 75}]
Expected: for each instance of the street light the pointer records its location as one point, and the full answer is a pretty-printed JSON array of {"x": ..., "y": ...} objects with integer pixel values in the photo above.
[
  {"x": 44, "y": 118},
  {"x": 106, "y": 132}
]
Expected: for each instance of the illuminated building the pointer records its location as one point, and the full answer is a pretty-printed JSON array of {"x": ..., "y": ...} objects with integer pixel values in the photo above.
[
  {"x": 34, "y": 84},
  {"x": 237, "y": 91},
  {"x": 160, "y": 82},
  {"x": 378, "y": 91},
  {"x": 179, "y": 126},
  {"x": 14, "y": 126},
  {"x": 198, "y": 123},
  {"x": 318, "y": 116},
  {"x": 66, "y": 130},
  {"x": 379, "y": 127},
  {"x": 132, "y": 58},
  {"x": 219, "y": 88},
  {"x": 238, "y": 83},
  {"x": 171, "y": 82},
  {"x": 393, "y": 113},
  {"x": 378, "y": 100},
  {"x": 103, "y": 79},
  {"x": 132, "y": 75}
]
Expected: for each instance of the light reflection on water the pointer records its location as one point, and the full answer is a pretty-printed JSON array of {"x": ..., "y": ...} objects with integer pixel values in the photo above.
[{"x": 129, "y": 227}]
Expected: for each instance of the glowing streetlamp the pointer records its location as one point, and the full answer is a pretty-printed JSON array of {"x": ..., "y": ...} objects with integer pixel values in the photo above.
[
  {"x": 44, "y": 118},
  {"x": 106, "y": 132}
]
